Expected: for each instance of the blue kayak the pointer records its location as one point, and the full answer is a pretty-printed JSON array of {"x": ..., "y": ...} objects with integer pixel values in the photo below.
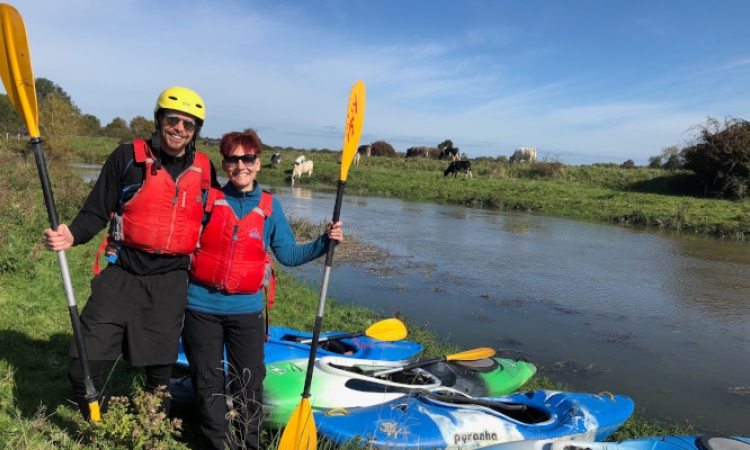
[
  {"x": 283, "y": 344},
  {"x": 446, "y": 419},
  {"x": 709, "y": 442}
]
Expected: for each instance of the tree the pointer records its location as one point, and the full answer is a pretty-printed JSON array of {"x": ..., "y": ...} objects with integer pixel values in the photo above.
[
  {"x": 58, "y": 122},
  {"x": 89, "y": 125},
  {"x": 119, "y": 129},
  {"x": 654, "y": 162},
  {"x": 721, "y": 157},
  {"x": 10, "y": 121},
  {"x": 673, "y": 163},
  {"x": 445, "y": 144},
  {"x": 142, "y": 127},
  {"x": 45, "y": 88}
]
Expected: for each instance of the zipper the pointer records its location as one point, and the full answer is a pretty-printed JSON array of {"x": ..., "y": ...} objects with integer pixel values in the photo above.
[
  {"x": 174, "y": 214},
  {"x": 235, "y": 233}
]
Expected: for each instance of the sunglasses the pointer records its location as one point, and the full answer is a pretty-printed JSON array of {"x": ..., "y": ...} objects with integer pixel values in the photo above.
[
  {"x": 233, "y": 160},
  {"x": 173, "y": 120}
]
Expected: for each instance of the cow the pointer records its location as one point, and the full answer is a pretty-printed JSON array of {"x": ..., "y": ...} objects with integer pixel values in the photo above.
[
  {"x": 300, "y": 159},
  {"x": 524, "y": 154},
  {"x": 276, "y": 159},
  {"x": 302, "y": 168},
  {"x": 355, "y": 161},
  {"x": 459, "y": 166},
  {"x": 417, "y": 152},
  {"x": 450, "y": 152},
  {"x": 365, "y": 149}
]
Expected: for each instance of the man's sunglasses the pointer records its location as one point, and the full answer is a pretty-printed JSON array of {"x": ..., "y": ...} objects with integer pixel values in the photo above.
[
  {"x": 233, "y": 160},
  {"x": 173, "y": 120}
]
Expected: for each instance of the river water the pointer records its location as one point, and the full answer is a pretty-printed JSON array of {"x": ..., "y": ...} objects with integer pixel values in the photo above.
[{"x": 662, "y": 318}]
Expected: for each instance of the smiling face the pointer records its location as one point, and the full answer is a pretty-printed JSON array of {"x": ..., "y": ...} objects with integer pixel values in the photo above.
[
  {"x": 175, "y": 138},
  {"x": 240, "y": 174}
]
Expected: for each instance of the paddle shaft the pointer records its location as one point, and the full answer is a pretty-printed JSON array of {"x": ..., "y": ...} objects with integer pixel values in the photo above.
[
  {"x": 75, "y": 319},
  {"x": 409, "y": 366},
  {"x": 335, "y": 338},
  {"x": 323, "y": 292}
]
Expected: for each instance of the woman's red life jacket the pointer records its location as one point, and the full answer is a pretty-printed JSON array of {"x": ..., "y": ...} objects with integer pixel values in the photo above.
[
  {"x": 231, "y": 255},
  {"x": 164, "y": 216}
]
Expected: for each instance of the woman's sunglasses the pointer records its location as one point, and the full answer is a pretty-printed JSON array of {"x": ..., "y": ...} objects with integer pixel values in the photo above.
[
  {"x": 233, "y": 160},
  {"x": 173, "y": 120}
]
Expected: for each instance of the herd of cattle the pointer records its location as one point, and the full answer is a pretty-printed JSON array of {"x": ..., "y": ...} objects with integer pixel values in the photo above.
[
  {"x": 303, "y": 166},
  {"x": 424, "y": 152}
]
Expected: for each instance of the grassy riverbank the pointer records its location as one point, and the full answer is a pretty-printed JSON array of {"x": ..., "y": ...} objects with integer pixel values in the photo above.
[
  {"x": 610, "y": 195},
  {"x": 643, "y": 197},
  {"x": 35, "y": 327}
]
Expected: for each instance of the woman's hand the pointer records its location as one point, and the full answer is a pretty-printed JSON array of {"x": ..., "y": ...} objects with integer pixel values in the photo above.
[{"x": 335, "y": 231}]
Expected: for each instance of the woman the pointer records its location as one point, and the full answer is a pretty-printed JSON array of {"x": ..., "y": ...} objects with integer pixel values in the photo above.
[{"x": 229, "y": 274}]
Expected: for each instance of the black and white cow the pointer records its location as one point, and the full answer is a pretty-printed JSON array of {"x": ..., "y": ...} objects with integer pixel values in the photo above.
[
  {"x": 276, "y": 159},
  {"x": 459, "y": 166},
  {"x": 365, "y": 150},
  {"x": 523, "y": 154},
  {"x": 418, "y": 152},
  {"x": 451, "y": 153}
]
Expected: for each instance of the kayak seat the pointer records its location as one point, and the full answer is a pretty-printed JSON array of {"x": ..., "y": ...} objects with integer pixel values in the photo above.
[
  {"x": 480, "y": 365},
  {"x": 714, "y": 442}
]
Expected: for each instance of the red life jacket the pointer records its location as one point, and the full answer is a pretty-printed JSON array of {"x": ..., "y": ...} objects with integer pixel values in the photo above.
[
  {"x": 164, "y": 216},
  {"x": 231, "y": 255}
]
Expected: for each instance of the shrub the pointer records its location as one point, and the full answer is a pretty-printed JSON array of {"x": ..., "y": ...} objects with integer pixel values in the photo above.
[
  {"x": 137, "y": 425},
  {"x": 382, "y": 148},
  {"x": 721, "y": 157},
  {"x": 629, "y": 164}
]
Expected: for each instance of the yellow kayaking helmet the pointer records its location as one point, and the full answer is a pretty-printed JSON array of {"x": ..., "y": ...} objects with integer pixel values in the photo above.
[{"x": 181, "y": 99}]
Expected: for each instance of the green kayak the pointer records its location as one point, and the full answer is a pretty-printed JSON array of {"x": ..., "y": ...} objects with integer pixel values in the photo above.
[{"x": 346, "y": 382}]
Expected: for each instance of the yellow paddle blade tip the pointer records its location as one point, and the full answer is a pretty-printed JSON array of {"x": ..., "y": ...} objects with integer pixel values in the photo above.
[
  {"x": 355, "y": 117},
  {"x": 94, "y": 412},
  {"x": 300, "y": 433}
]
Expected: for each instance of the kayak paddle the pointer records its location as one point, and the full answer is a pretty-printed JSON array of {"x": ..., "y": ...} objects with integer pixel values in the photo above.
[
  {"x": 300, "y": 432},
  {"x": 469, "y": 355},
  {"x": 388, "y": 330},
  {"x": 18, "y": 78}
]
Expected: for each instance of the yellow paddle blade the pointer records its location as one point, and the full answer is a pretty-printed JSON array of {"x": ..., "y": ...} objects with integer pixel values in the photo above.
[
  {"x": 355, "y": 117},
  {"x": 300, "y": 433},
  {"x": 472, "y": 355},
  {"x": 94, "y": 412},
  {"x": 387, "y": 330},
  {"x": 15, "y": 67}
]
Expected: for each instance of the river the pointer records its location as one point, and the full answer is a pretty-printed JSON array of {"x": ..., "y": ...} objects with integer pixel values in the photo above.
[{"x": 660, "y": 317}]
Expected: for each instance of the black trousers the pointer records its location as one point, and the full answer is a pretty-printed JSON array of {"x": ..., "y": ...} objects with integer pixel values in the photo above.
[
  {"x": 156, "y": 376},
  {"x": 138, "y": 316},
  {"x": 204, "y": 337}
]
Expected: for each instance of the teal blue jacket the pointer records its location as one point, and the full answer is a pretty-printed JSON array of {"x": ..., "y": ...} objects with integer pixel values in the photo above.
[{"x": 277, "y": 235}]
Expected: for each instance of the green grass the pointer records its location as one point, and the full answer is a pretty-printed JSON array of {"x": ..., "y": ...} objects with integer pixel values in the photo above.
[{"x": 35, "y": 327}]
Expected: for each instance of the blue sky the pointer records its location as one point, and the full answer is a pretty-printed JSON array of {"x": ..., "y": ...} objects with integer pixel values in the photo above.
[{"x": 582, "y": 81}]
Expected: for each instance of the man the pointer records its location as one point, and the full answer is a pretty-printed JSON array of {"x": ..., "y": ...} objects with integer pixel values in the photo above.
[{"x": 151, "y": 195}]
